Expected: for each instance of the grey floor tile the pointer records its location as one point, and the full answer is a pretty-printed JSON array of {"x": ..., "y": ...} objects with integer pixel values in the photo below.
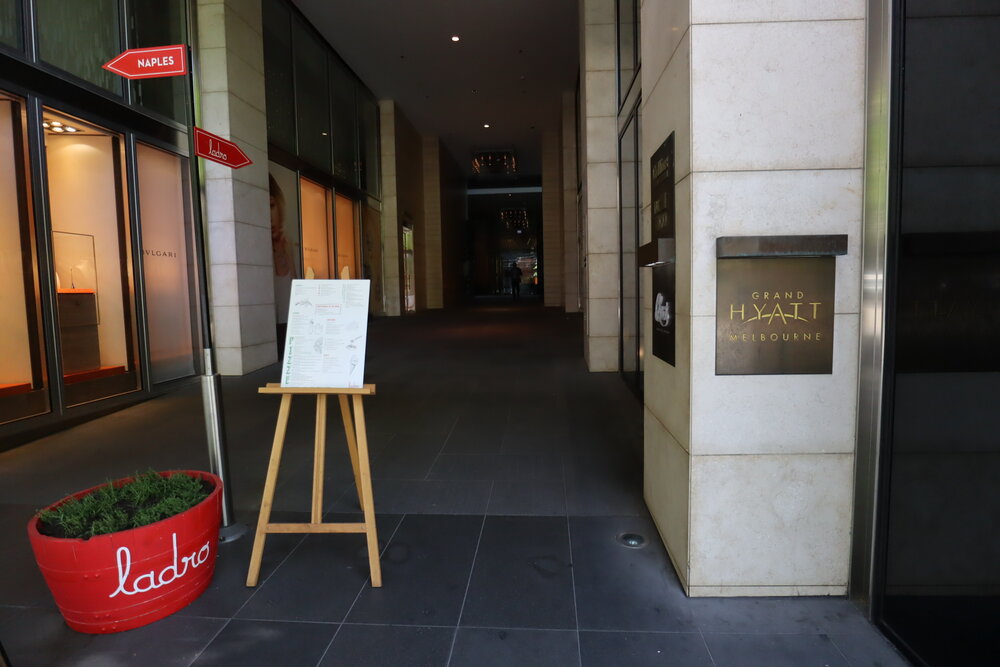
[
  {"x": 869, "y": 649},
  {"x": 528, "y": 497},
  {"x": 777, "y": 615},
  {"x": 474, "y": 441},
  {"x": 40, "y": 637},
  {"x": 408, "y": 456},
  {"x": 319, "y": 580},
  {"x": 643, "y": 649},
  {"x": 21, "y": 582},
  {"x": 517, "y": 440},
  {"x": 497, "y": 467},
  {"x": 228, "y": 591},
  {"x": 398, "y": 646},
  {"x": 604, "y": 486},
  {"x": 425, "y": 570},
  {"x": 267, "y": 644},
  {"x": 431, "y": 496},
  {"x": 619, "y": 588},
  {"x": 736, "y": 650},
  {"x": 476, "y": 647},
  {"x": 522, "y": 575}
]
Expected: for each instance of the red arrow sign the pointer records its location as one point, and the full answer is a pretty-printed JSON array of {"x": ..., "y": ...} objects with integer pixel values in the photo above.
[
  {"x": 150, "y": 62},
  {"x": 215, "y": 148}
]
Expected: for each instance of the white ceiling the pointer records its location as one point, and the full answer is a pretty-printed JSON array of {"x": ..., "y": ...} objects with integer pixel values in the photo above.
[{"x": 514, "y": 61}]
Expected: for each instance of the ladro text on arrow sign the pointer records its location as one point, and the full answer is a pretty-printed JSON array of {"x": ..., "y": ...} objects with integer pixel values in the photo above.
[
  {"x": 215, "y": 148},
  {"x": 151, "y": 62}
]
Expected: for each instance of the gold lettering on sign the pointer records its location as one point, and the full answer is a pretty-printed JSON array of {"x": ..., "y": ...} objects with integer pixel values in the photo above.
[{"x": 765, "y": 307}]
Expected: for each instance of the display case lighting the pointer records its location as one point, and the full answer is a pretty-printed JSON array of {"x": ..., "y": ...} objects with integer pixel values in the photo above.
[{"x": 59, "y": 127}]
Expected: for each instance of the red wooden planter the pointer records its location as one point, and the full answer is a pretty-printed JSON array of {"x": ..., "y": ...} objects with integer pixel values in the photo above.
[{"x": 128, "y": 579}]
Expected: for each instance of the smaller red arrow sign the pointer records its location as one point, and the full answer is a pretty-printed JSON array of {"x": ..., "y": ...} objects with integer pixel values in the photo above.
[
  {"x": 150, "y": 62},
  {"x": 215, "y": 148}
]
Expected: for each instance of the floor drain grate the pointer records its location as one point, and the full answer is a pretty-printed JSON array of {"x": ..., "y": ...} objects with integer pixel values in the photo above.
[{"x": 632, "y": 540}]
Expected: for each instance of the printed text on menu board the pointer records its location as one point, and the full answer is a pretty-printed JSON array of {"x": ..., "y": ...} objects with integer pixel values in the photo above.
[{"x": 327, "y": 332}]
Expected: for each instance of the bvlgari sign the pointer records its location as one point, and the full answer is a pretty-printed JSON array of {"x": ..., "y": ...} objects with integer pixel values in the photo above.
[{"x": 775, "y": 305}]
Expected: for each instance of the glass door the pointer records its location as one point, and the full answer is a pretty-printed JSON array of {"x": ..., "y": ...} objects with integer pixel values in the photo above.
[
  {"x": 629, "y": 207},
  {"x": 168, "y": 262},
  {"x": 91, "y": 259},
  {"x": 23, "y": 392}
]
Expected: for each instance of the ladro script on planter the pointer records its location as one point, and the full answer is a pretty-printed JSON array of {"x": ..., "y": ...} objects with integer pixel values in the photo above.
[{"x": 152, "y": 580}]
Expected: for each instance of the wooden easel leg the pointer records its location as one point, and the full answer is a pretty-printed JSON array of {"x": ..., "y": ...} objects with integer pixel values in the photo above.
[
  {"x": 368, "y": 503},
  {"x": 319, "y": 459},
  {"x": 268, "y": 498},
  {"x": 352, "y": 446}
]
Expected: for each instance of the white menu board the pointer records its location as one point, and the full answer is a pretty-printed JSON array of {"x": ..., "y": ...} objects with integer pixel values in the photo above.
[{"x": 327, "y": 332}]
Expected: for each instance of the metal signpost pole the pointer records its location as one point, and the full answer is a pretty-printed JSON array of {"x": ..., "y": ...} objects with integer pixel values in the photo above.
[
  {"x": 151, "y": 62},
  {"x": 211, "y": 382}
]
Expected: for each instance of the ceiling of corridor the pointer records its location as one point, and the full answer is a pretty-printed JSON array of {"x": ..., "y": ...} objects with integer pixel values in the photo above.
[{"x": 509, "y": 68}]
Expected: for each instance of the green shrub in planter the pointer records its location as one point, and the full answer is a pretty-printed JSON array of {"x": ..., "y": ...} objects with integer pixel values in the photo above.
[{"x": 146, "y": 499}]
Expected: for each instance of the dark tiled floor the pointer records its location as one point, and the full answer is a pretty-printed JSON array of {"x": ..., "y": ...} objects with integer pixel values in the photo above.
[{"x": 504, "y": 473}]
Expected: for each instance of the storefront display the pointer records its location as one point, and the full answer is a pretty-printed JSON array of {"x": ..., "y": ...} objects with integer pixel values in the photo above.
[
  {"x": 22, "y": 387},
  {"x": 90, "y": 257},
  {"x": 98, "y": 250}
]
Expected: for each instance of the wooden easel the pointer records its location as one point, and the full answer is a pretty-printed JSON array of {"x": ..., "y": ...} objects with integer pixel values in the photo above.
[{"x": 357, "y": 447}]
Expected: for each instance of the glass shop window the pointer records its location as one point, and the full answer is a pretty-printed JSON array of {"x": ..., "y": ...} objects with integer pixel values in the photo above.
[
  {"x": 168, "y": 262},
  {"x": 90, "y": 248},
  {"x": 317, "y": 246},
  {"x": 79, "y": 37},
  {"x": 368, "y": 150},
  {"x": 279, "y": 86},
  {"x": 312, "y": 104},
  {"x": 345, "y": 122},
  {"x": 160, "y": 23},
  {"x": 10, "y": 23},
  {"x": 347, "y": 238},
  {"x": 22, "y": 375}
]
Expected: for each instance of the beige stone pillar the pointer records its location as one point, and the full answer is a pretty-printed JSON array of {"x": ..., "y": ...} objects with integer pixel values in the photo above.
[
  {"x": 241, "y": 283},
  {"x": 391, "y": 279},
  {"x": 749, "y": 478},
  {"x": 600, "y": 184},
  {"x": 570, "y": 209},
  {"x": 431, "y": 280}
]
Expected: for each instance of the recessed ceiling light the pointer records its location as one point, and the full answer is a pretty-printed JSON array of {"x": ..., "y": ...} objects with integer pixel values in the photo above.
[
  {"x": 69, "y": 129},
  {"x": 486, "y": 125},
  {"x": 56, "y": 123},
  {"x": 46, "y": 124},
  {"x": 455, "y": 38},
  {"x": 58, "y": 129}
]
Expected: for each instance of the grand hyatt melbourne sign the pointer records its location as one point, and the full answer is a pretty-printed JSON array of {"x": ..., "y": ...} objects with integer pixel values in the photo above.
[{"x": 775, "y": 304}]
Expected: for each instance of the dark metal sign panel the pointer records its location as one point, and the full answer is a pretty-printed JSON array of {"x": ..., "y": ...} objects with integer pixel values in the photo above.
[
  {"x": 664, "y": 275},
  {"x": 774, "y": 316}
]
